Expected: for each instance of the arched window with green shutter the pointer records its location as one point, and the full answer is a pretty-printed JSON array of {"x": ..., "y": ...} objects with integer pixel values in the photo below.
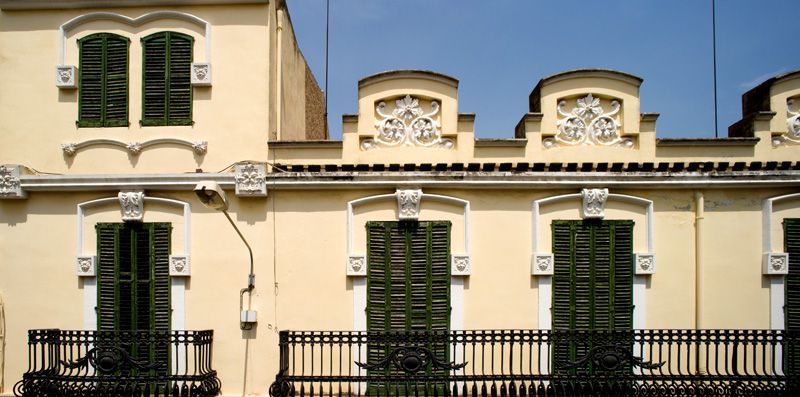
[
  {"x": 103, "y": 81},
  {"x": 166, "y": 81}
]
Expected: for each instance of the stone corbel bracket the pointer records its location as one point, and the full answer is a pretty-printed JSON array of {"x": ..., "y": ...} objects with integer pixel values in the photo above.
[
  {"x": 10, "y": 184},
  {"x": 133, "y": 148},
  {"x": 542, "y": 264},
  {"x": 408, "y": 203},
  {"x": 66, "y": 76},
  {"x": 357, "y": 265},
  {"x": 645, "y": 264},
  {"x": 179, "y": 266},
  {"x": 460, "y": 265},
  {"x": 775, "y": 264},
  {"x": 86, "y": 266},
  {"x": 594, "y": 203},
  {"x": 132, "y": 206}
]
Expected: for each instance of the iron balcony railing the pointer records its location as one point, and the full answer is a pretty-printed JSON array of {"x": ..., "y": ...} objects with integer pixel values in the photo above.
[
  {"x": 118, "y": 363},
  {"x": 539, "y": 363}
]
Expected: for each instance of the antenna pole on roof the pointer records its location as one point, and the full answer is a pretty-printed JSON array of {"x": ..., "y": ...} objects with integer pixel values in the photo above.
[
  {"x": 327, "y": 35},
  {"x": 714, "y": 35}
]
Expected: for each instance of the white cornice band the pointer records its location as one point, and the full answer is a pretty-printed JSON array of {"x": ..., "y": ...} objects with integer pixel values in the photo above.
[
  {"x": 188, "y": 181},
  {"x": 134, "y": 148},
  {"x": 136, "y": 22}
]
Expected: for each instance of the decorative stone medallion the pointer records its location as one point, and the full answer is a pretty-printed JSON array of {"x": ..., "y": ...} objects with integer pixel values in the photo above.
[
  {"x": 594, "y": 203},
  {"x": 132, "y": 206},
  {"x": 179, "y": 265},
  {"x": 10, "y": 183},
  {"x": 645, "y": 263},
  {"x": 588, "y": 124},
  {"x": 407, "y": 125},
  {"x": 542, "y": 264},
  {"x": 201, "y": 74},
  {"x": 775, "y": 263},
  {"x": 460, "y": 265},
  {"x": 65, "y": 76},
  {"x": 408, "y": 203},
  {"x": 357, "y": 265},
  {"x": 86, "y": 266},
  {"x": 251, "y": 180}
]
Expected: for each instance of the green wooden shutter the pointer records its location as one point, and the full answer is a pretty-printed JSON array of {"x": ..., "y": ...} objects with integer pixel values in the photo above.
[
  {"x": 162, "y": 309},
  {"x": 791, "y": 242},
  {"x": 593, "y": 274},
  {"x": 107, "y": 236},
  {"x": 103, "y": 81},
  {"x": 133, "y": 276},
  {"x": 166, "y": 85},
  {"x": 408, "y": 286},
  {"x": 90, "y": 90},
  {"x": 408, "y": 276}
]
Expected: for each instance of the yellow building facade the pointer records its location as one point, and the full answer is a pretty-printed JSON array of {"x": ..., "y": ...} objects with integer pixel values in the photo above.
[{"x": 583, "y": 220}]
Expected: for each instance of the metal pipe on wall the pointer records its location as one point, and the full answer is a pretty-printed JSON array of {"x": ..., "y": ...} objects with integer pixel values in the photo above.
[{"x": 699, "y": 216}]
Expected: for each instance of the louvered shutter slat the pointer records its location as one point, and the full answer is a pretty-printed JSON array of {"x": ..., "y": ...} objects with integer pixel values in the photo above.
[
  {"x": 155, "y": 79},
  {"x": 116, "y": 87},
  {"x": 167, "y": 80},
  {"x": 106, "y": 276},
  {"x": 90, "y": 71}
]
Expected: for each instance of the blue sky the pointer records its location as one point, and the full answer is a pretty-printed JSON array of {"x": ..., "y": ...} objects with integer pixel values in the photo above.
[{"x": 499, "y": 49}]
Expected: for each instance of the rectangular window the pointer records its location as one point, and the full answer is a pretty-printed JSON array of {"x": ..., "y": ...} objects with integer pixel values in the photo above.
[
  {"x": 166, "y": 85},
  {"x": 103, "y": 81},
  {"x": 592, "y": 281},
  {"x": 133, "y": 276},
  {"x": 408, "y": 284}
]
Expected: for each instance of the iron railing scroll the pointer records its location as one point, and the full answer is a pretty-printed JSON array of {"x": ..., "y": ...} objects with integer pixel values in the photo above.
[
  {"x": 538, "y": 363},
  {"x": 119, "y": 363}
]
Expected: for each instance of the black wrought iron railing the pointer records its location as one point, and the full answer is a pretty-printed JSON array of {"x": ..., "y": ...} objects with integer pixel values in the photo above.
[
  {"x": 119, "y": 363},
  {"x": 539, "y": 363}
]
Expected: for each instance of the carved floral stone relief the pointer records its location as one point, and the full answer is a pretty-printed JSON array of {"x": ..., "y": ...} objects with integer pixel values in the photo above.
[
  {"x": 594, "y": 202},
  {"x": 408, "y": 202},
  {"x": 132, "y": 206},
  {"x": 588, "y": 124},
  {"x": 792, "y": 135},
  {"x": 251, "y": 180},
  {"x": 10, "y": 182},
  {"x": 407, "y": 125}
]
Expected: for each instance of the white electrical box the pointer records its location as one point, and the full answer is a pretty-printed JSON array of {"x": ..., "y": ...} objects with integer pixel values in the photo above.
[{"x": 249, "y": 316}]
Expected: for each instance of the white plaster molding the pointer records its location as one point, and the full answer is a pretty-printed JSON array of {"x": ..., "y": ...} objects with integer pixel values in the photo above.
[
  {"x": 588, "y": 124},
  {"x": 594, "y": 203},
  {"x": 775, "y": 264},
  {"x": 201, "y": 74},
  {"x": 10, "y": 182},
  {"x": 178, "y": 285},
  {"x": 408, "y": 203},
  {"x": 542, "y": 264},
  {"x": 251, "y": 180},
  {"x": 86, "y": 265},
  {"x": 135, "y": 22},
  {"x": 460, "y": 265},
  {"x": 645, "y": 264},
  {"x": 66, "y": 76},
  {"x": 792, "y": 134},
  {"x": 180, "y": 265},
  {"x": 132, "y": 205},
  {"x": 777, "y": 284},
  {"x": 134, "y": 148},
  {"x": 545, "y": 283},
  {"x": 360, "y": 285},
  {"x": 407, "y": 125},
  {"x": 357, "y": 265}
]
